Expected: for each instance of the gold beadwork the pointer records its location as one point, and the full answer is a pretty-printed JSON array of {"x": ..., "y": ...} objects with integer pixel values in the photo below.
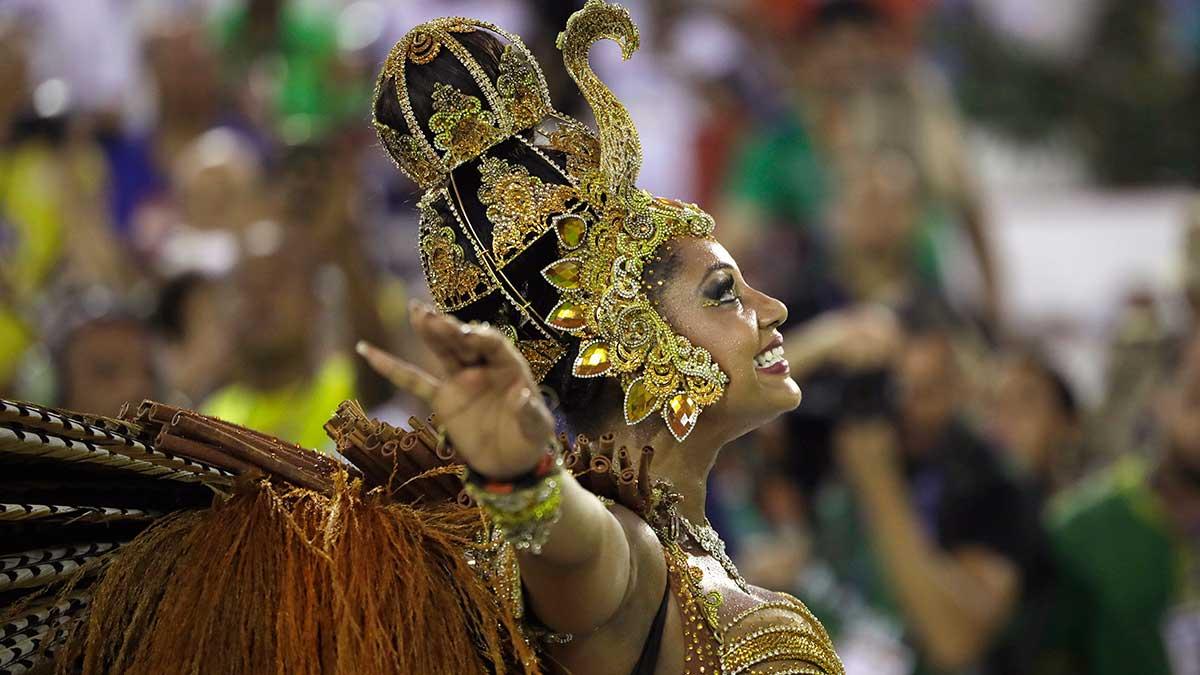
[
  {"x": 518, "y": 204},
  {"x": 542, "y": 355},
  {"x": 620, "y": 149},
  {"x": 407, "y": 153},
  {"x": 455, "y": 282},
  {"x": 462, "y": 128},
  {"x": 518, "y": 88},
  {"x": 423, "y": 48}
]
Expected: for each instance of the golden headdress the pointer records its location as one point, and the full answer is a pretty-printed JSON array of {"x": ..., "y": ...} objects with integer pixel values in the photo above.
[{"x": 570, "y": 182}]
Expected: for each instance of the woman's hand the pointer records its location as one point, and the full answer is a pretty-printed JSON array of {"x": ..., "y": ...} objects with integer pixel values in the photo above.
[{"x": 487, "y": 402}]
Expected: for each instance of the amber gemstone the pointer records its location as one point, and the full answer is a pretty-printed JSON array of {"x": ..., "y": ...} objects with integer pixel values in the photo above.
[
  {"x": 592, "y": 361},
  {"x": 564, "y": 273},
  {"x": 638, "y": 402},
  {"x": 567, "y": 316},
  {"x": 571, "y": 229},
  {"x": 681, "y": 413}
]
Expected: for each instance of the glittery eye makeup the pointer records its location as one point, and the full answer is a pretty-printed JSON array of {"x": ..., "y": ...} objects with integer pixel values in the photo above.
[{"x": 719, "y": 288}]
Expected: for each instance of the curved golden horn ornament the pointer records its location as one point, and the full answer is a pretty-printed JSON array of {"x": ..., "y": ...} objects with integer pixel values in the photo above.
[{"x": 620, "y": 149}]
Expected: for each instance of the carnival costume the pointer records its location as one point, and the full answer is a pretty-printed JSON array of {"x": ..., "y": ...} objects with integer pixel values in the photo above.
[{"x": 166, "y": 541}]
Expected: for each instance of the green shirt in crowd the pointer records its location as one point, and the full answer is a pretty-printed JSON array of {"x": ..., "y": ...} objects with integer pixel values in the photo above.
[
  {"x": 1121, "y": 580},
  {"x": 780, "y": 172},
  {"x": 310, "y": 87},
  {"x": 782, "y": 175}
]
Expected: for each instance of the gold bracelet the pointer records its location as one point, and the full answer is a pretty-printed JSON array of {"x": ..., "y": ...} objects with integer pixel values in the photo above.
[{"x": 524, "y": 515}]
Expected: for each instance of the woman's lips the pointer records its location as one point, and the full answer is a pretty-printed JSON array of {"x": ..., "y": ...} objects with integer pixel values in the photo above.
[{"x": 777, "y": 368}]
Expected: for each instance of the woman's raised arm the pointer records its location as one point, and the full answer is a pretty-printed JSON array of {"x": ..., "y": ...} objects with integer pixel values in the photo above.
[{"x": 487, "y": 404}]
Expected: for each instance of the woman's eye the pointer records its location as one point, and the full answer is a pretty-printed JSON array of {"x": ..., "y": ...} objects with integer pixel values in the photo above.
[{"x": 723, "y": 295}]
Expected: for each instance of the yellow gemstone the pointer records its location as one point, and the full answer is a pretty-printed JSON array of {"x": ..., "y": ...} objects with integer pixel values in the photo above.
[
  {"x": 564, "y": 274},
  {"x": 567, "y": 316},
  {"x": 638, "y": 402},
  {"x": 571, "y": 229},
  {"x": 592, "y": 361},
  {"x": 681, "y": 414}
]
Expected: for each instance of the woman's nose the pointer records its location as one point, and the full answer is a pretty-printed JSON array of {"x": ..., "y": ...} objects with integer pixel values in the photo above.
[{"x": 771, "y": 313}]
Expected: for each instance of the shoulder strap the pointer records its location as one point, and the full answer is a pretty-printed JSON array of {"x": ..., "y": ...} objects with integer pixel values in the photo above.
[{"x": 647, "y": 662}]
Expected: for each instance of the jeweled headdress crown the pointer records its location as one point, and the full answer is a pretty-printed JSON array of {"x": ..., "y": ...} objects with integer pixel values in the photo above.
[{"x": 571, "y": 189}]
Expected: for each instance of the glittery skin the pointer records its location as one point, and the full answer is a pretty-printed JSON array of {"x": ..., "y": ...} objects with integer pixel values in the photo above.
[{"x": 617, "y": 228}]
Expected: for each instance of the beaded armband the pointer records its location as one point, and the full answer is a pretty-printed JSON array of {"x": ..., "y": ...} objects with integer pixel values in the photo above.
[{"x": 526, "y": 508}]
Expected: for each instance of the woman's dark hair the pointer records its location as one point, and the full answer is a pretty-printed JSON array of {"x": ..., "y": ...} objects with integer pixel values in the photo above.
[
  {"x": 170, "y": 312},
  {"x": 838, "y": 12},
  {"x": 1033, "y": 357},
  {"x": 576, "y": 396}
]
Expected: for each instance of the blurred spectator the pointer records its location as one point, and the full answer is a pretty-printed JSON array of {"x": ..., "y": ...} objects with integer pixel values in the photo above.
[
  {"x": 1128, "y": 550},
  {"x": 929, "y": 526},
  {"x": 90, "y": 50},
  {"x": 218, "y": 193},
  {"x": 104, "y": 362},
  {"x": 52, "y": 179},
  {"x": 1191, "y": 258},
  {"x": 1035, "y": 416},
  {"x": 860, "y": 89},
  {"x": 1142, "y": 347},
  {"x": 283, "y": 382},
  {"x": 188, "y": 101},
  {"x": 874, "y": 222},
  {"x": 195, "y": 334},
  {"x": 282, "y": 57},
  {"x": 1139, "y": 354}
]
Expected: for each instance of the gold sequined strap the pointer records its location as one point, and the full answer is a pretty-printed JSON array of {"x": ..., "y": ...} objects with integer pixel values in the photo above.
[
  {"x": 774, "y": 643},
  {"x": 778, "y": 632},
  {"x": 786, "y": 668},
  {"x": 701, "y": 642}
]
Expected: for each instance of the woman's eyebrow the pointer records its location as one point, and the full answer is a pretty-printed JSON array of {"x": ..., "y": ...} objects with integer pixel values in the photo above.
[{"x": 718, "y": 266}]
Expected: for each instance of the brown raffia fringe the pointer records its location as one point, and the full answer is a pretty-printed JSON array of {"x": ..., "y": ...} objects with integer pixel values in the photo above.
[{"x": 292, "y": 581}]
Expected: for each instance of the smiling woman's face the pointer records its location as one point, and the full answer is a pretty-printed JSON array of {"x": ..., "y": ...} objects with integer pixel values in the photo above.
[{"x": 704, "y": 297}]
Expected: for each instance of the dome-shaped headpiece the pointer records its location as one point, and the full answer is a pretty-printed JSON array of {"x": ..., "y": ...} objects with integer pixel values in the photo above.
[{"x": 463, "y": 123}]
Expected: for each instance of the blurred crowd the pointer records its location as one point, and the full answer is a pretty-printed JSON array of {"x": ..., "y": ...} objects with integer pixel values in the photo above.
[{"x": 194, "y": 209}]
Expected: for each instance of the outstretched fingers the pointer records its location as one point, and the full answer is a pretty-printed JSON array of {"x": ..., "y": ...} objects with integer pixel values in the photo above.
[
  {"x": 464, "y": 345},
  {"x": 403, "y": 374}
]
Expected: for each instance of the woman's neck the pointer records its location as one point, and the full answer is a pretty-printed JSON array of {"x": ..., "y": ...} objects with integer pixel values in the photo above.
[{"x": 686, "y": 465}]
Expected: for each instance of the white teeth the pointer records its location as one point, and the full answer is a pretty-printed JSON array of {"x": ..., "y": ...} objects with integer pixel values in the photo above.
[{"x": 769, "y": 358}]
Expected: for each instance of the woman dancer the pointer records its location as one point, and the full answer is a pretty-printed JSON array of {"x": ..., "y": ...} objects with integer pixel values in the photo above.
[
  {"x": 627, "y": 309},
  {"x": 586, "y": 552}
]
